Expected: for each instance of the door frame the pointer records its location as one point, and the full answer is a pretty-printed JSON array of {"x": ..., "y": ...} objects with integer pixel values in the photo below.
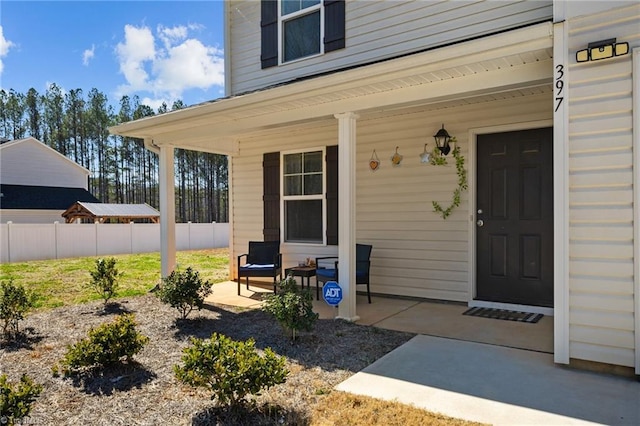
[{"x": 473, "y": 141}]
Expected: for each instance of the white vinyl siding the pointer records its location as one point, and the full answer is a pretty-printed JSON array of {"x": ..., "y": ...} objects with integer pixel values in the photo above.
[
  {"x": 375, "y": 30},
  {"x": 415, "y": 252},
  {"x": 247, "y": 183},
  {"x": 30, "y": 162},
  {"x": 601, "y": 212},
  {"x": 31, "y": 216}
]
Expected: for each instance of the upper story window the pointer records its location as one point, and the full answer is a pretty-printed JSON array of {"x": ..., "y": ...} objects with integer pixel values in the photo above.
[
  {"x": 300, "y": 28},
  {"x": 294, "y": 29}
]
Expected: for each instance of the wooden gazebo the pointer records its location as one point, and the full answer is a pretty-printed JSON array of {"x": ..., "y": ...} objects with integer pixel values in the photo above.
[{"x": 102, "y": 212}]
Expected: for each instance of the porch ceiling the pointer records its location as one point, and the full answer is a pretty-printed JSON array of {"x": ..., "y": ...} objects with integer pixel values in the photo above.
[{"x": 513, "y": 64}]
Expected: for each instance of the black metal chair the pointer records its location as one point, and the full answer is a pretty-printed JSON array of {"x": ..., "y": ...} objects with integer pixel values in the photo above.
[
  {"x": 363, "y": 264},
  {"x": 263, "y": 260}
]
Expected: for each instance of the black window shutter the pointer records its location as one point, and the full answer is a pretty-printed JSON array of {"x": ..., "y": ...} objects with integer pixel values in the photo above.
[
  {"x": 269, "y": 33},
  {"x": 332, "y": 195},
  {"x": 334, "y": 25},
  {"x": 271, "y": 196}
]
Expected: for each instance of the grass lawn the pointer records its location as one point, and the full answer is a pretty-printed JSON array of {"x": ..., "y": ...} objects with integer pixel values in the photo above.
[{"x": 63, "y": 284}]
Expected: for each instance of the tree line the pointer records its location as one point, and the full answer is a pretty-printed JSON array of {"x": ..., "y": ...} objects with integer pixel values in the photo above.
[{"x": 122, "y": 170}]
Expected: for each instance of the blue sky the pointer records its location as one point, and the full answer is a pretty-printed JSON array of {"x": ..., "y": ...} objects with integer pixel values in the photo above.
[{"x": 158, "y": 50}]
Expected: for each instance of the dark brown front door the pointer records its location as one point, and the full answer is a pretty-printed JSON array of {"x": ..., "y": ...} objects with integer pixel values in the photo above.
[{"x": 514, "y": 248}]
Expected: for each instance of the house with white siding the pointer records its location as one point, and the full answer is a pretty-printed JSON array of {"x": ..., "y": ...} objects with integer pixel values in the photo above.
[
  {"x": 331, "y": 110},
  {"x": 37, "y": 183}
]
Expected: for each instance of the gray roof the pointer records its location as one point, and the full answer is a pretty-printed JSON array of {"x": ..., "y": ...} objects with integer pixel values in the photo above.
[
  {"x": 30, "y": 197},
  {"x": 119, "y": 210}
]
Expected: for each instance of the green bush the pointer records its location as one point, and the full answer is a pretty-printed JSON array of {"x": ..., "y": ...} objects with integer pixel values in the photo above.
[
  {"x": 230, "y": 369},
  {"x": 15, "y": 302},
  {"x": 184, "y": 291},
  {"x": 15, "y": 402},
  {"x": 292, "y": 307},
  {"x": 104, "y": 278},
  {"x": 107, "y": 344}
]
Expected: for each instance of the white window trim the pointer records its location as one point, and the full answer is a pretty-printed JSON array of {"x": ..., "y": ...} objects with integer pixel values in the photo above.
[
  {"x": 320, "y": 196},
  {"x": 290, "y": 16}
]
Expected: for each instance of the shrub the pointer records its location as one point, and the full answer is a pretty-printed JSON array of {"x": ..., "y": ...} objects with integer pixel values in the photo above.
[
  {"x": 230, "y": 369},
  {"x": 104, "y": 279},
  {"x": 292, "y": 308},
  {"x": 15, "y": 302},
  {"x": 184, "y": 291},
  {"x": 106, "y": 344},
  {"x": 15, "y": 402}
]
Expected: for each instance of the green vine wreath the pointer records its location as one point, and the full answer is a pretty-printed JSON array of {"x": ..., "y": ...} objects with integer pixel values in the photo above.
[{"x": 462, "y": 181}]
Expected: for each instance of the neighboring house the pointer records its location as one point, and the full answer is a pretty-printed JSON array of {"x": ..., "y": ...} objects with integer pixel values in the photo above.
[
  {"x": 37, "y": 183},
  {"x": 551, "y": 218}
]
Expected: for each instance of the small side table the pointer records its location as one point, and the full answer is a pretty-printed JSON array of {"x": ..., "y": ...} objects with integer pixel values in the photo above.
[{"x": 302, "y": 271}]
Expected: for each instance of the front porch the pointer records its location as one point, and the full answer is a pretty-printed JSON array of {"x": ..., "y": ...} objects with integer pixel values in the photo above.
[
  {"x": 478, "y": 369},
  {"x": 419, "y": 316}
]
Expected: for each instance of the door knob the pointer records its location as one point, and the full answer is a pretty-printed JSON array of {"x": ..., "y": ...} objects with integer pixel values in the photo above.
[{"x": 480, "y": 222}]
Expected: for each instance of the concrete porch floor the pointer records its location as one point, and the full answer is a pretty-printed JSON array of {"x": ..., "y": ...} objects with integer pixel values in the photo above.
[
  {"x": 413, "y": 316},
  {"x": 486, "y": 370}
]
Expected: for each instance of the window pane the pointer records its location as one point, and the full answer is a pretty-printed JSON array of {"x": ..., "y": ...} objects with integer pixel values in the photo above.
[
  {"x": 303, "y": 220},
  {"x": 290, "y": 6},
  {"x": 313, "y": 162},
  {"x": 292, "y": 163},
  {"x": 313, "y": 184},
  {"x": 302, "y": 36},
  {"x": 293, "y": 185}
]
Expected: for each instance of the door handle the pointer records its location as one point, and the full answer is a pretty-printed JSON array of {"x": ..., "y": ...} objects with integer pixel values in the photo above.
[{"x": 480, "y": 223}]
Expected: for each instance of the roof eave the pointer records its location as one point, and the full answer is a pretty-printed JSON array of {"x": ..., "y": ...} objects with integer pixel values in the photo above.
[{"x": 273, "y": 107}]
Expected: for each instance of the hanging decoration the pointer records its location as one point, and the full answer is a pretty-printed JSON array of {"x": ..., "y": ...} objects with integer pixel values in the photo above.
[
  {"x": 462, "y": 183},
  {"x": 374, "y": 161},
  {"x": 396, "y": 158},
  {"x": 425, "y": 157},
  {"x": 436, "y": 158}
]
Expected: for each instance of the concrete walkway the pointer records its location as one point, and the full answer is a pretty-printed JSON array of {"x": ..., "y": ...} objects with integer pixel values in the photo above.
[
  {"x": 491, "y": 371},
  {"x": 496, "y": 385}
]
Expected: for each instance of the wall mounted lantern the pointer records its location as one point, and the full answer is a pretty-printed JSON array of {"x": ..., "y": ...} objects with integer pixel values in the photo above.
[
  {"x": 442, "y": 141},
  {"x": 602, "y": 49}
]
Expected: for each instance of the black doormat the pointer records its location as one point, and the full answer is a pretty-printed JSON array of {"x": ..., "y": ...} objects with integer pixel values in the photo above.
[{"x": 503, "y": 314}]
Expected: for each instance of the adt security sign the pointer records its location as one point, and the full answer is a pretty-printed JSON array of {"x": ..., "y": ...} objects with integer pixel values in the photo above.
[{"x": 332, "y": 293}]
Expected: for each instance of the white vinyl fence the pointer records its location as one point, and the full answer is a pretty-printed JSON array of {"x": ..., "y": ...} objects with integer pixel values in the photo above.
[{"x": 39, "y": 241}]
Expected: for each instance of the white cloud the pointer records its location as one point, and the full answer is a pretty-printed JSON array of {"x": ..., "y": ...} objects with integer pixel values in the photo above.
[
  {"x": 138, "y": 47},
  {"x": 88, "y": 54},
  {"x": 189, "y": 65},
  {"x": 171, "y": 36},
  {"x": 5, "y": 45},
  {"x": 154, "y": 104},
  {"x": 168, "y": 63}
]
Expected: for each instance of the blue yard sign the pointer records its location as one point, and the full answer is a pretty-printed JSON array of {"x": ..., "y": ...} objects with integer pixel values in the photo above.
[{"x": 332, "y": 293}]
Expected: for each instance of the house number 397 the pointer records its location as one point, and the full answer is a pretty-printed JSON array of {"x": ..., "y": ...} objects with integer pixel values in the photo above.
[{"x": 559, "y": 86}]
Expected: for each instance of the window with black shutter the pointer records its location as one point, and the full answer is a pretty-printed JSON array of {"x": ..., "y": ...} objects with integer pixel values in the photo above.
[
  {"x": 304, "y": 196},
  {"x": 300, "y": 23}
]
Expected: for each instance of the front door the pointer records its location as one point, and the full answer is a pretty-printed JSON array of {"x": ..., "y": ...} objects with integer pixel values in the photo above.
[{"x": 514, "y": 220}]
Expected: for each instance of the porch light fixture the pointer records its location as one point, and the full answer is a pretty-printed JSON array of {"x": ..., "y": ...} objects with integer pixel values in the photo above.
[
  {"x": 602, "y": 49},
  {"x": 442, "y": 141}
]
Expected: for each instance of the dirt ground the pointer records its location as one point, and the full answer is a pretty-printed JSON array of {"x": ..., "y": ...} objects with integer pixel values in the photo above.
[{"x": 147, "y": 392}]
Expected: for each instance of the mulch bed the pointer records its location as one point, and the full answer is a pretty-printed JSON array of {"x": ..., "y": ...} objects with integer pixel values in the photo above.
[{"x": 147, "y": 392}]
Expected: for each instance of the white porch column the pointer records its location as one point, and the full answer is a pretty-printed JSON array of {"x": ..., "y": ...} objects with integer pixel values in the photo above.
[
  {"x": 167, "y": 210},
  {"x": 347, "y": 214},
  {"x": 561, "y": 192}
]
